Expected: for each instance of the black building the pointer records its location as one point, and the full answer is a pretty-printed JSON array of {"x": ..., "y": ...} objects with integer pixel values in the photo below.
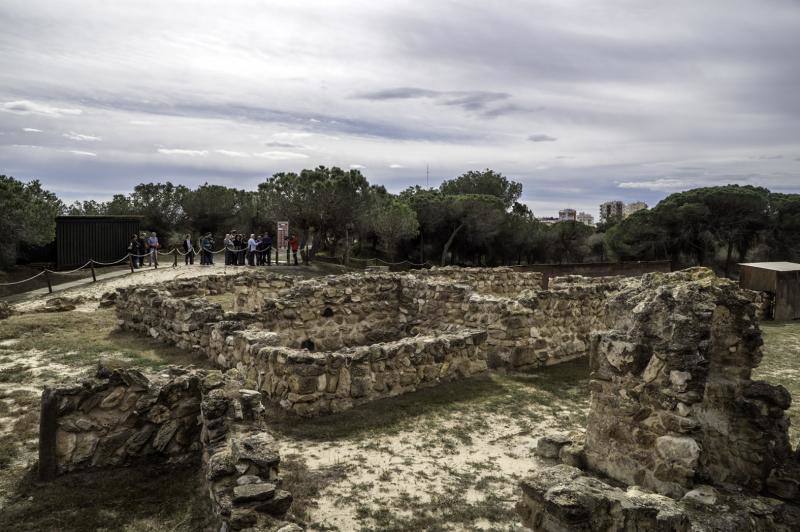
[{"x": 101, "y": 238}]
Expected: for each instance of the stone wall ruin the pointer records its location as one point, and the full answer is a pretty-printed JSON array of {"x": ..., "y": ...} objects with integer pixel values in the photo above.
[
  {"x": 676, "y": 425},
  {"x": 324, "y": 345},
  {"x": 122, "y": 418},
  {"x": 675, "y": 416}
]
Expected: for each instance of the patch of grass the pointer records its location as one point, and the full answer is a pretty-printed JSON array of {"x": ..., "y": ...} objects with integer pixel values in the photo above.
[
  {"x": 8, "y": 452},
  {"x": 81, "y": 338},
  {"x": 781, "y": 365},
  {"x": 14, "y": 373},
  {"x": 523, "y": 398},
  {"x": 131, "y": 499},
  {"x": 226, "y": 300},
  {"x": 305, "y": 485}
]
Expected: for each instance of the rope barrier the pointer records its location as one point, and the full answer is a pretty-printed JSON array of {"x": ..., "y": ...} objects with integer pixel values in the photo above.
[
  {"x": 71, "y": 271},
  {"x": 113, "y": 263},
  {"x": 24, "y": 280}
]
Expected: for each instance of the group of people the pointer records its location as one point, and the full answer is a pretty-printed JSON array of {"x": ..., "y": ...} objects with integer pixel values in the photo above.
[
  {"x": 205, "y": 248},
  {"x": 142, "y": 246},
  {"x": 256, "y": 250},
  {"x": 239, "y": 250}
]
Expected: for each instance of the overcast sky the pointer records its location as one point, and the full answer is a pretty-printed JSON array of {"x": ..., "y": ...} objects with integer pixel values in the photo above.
[{"x": 581, "y": 101}]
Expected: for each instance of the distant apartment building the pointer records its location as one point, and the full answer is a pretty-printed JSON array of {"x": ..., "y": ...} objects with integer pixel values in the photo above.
[
  {"x": 548, "y": 220},
  {"x": 567, "y": 215},
  {"x": 585, "y": 218},
  {"x": 612, "y": 210},
  {"x": 631, "y": 208}
]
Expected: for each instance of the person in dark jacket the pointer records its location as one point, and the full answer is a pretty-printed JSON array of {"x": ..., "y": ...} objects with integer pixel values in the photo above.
[
  {"x": 266, "y": 241},
  {"x": 240, "y": 244},
  {"x": 143, "y": 248},
  {"x": 188, "y": 248},
  {"x": 133, "y": 250}
]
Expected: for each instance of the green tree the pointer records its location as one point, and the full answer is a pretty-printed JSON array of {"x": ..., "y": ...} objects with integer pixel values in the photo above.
[
  {"x": 161, "y": 206},
  {"x": 569, "y": 240},
  {"x": 210, "y": 208},
  {"x": 486, "y": 183},
  {"x": 393, "y": 221},
  {"x": 27, "y": 217}
]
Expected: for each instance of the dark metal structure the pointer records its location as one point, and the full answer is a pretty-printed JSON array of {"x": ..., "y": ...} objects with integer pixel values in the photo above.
[
  {"x": 100, "y": 238},
  {"x": 781, "y": 279}
]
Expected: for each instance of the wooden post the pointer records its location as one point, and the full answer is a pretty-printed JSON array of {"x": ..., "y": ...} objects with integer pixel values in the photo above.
[
  {"x": 131, "y": 263},
  {"x": 94, "y": 277},
  {"x": 49, "y": 284},
  {"x": 175, "y": 256}
]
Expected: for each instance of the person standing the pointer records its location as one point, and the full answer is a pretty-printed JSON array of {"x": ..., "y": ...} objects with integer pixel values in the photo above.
[
  {"x": 153, "y": 244},
  {"x": 208, "y": 249},
  {"x": 142, "y": 248},
  {"x": 240, "y": 244},
  {"x": 251, "y": 250},
  {"x": 267, "y": 242},
  {"x": 259, "y": 250},
  {"x": 295, "y": 245},
  {"x": 133, "y": 250},
  {"x": 188, "y": 248}
]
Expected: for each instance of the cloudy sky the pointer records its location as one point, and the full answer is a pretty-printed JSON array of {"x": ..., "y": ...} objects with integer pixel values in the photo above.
[{"x": 581, "y": 101}]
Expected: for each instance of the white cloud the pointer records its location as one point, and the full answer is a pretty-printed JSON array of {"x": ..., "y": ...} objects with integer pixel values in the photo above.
[
  {"x": 357, "y": 166},
  {"x": 181, "y": 151},
  {"x": 83, "y": 153},
  {"x": 31, "y": 130},
  {"x": 81, "y": 137},
  {"x": 292, "y": 135},
  {"x": 229, "y": 153},
  {"x": 540, "y": 137},
  {"x": 141, "y": 122},
  {"x": 281, "y": 155},
  {"x": 396, "y": 166},
  {"x": 659, "y": 184},
  {"x": 25, "y": 107}
]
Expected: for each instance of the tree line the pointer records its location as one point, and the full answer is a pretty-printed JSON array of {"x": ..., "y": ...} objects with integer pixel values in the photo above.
[{"x": 473, "y": 219}]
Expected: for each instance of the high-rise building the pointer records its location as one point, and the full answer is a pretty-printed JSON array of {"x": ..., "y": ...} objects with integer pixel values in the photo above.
[
  {"x": 631, "y": 208},
  {"x": 612, "y": 210},
  {"x": 567, "y": 215},
  {"x": 585, "y": 218}
]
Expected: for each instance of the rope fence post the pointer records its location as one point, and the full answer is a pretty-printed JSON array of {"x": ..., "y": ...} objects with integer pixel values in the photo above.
[
  {"x": 91, "y": 265},
  {"x": 175, "y": 257},
  {"x": 49, "y": 284},
  {"x": 131, "y": 263}
]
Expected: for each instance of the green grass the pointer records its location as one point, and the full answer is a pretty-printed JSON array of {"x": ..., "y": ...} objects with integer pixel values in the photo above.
[
  {"x": 133, "y": 499},
  {"x": 524, "y": 398},
  {"x": 83, "y": 338},
  {"x": 781, "y": 365}
]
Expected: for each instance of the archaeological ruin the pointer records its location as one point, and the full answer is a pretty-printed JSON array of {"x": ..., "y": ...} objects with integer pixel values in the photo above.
[{"x": 676, "y": 426}]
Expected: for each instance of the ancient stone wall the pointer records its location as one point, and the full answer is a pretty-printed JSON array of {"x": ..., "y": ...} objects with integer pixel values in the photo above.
[
  {"x": 159, "y": 313},
  {"x": 120, "y": 418},
  {"x": 502, "y": 281},
  {"x": 335, "y": 320},
  {"x": 671, "y": 388},
  {"x": 318, "y": 383},
  {"x": 335, "y": 312},
  {"x": 673, "y": 411}
]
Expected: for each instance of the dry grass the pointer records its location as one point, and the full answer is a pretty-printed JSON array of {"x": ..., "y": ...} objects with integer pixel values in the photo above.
[
  {"x": 781, "y": 365},
  {"x": 80, "y": 338}
]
